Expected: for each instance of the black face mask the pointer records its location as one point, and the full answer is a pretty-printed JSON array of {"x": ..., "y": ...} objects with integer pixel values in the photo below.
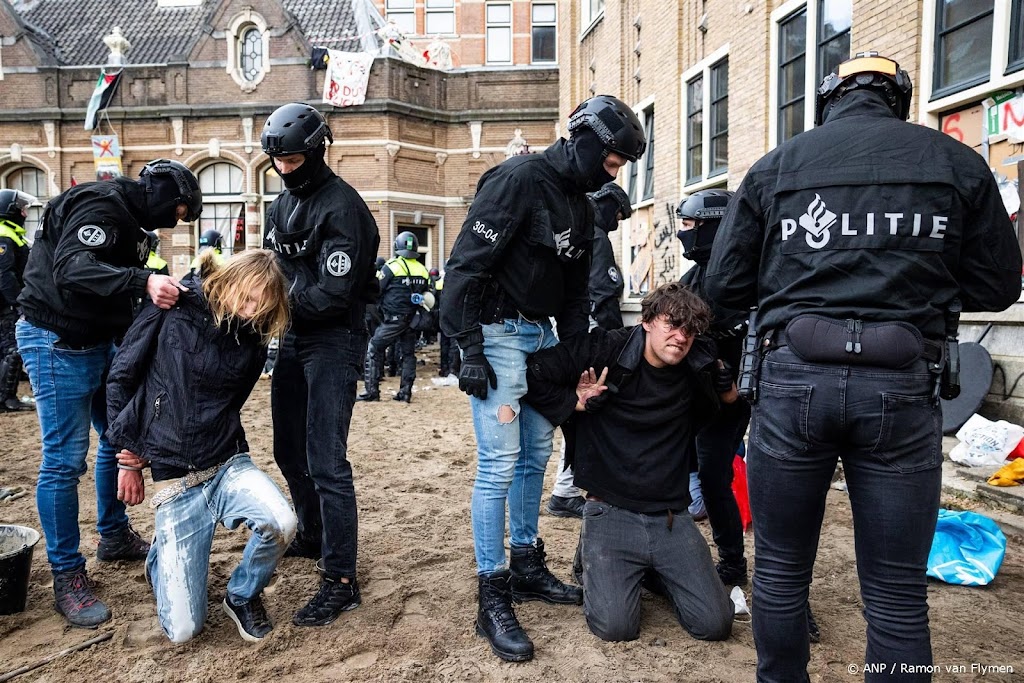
[
  {"x": 587, "y": 154},
  {"x": 162, "y": 202},
  {"x": 697, "y": 242},
  {"x": 300, "y": 180}
]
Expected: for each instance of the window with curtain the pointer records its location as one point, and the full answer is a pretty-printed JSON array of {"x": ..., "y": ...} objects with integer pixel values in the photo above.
[
  {"x": 32, "y": 181},
  {"x": 499, "y": 33},
  {"x": 223, "y": 206},
  {"x": 403, "y": 13},
  {"x": 440, "y": 17}
]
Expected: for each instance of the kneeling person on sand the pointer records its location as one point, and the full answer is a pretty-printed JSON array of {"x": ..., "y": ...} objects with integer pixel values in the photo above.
[
  {"x": 176, "y": 388},
  {"x": 635, "y": 427}
]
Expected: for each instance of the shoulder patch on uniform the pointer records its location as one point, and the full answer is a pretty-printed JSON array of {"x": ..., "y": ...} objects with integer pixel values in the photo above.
[
  {"x": 91, "y": 235},
  {"x": 613, "y": 273},
  {"x": 338, "y": 264}
]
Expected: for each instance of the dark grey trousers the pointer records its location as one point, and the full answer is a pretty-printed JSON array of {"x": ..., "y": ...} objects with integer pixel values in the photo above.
[{"x": 619, "y": 546}]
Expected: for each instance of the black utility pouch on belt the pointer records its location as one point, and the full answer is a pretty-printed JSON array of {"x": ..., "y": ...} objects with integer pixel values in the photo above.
[{"x": 817, "y": 339}]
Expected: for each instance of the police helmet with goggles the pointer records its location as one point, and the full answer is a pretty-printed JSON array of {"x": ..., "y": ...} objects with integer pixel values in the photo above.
[
  {"x": 170, "y": 183},
  {"x": 706, "y": 209},
  {"x": 614, "y": 123},
  {"x": 866, "y": 70},
  {"x": 294, "y": 128},
  {"x": 14, "y": 206},
  {"x": 211, "y": 238},
  {"x": 407, "y": 245}
]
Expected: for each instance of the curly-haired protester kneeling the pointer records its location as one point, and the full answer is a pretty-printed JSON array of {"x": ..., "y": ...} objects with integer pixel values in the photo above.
[{"x": 175, "y": 391}]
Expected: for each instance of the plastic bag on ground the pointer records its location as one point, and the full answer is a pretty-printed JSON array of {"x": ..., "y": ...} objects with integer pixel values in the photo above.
[
  {"x": 983, "y": 442},
  {"x": 967, "y": 549}
]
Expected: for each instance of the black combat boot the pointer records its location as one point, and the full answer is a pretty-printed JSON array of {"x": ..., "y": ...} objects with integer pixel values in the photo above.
[
  {"x": 369, "y": 395},
  {"x": 531, "y": 579},
  {"x": 371, "y": 378},
  {"x": 732, "y": 572},
  {"x": 496, "y": 621},
  {"x": 404, "y": 393}
]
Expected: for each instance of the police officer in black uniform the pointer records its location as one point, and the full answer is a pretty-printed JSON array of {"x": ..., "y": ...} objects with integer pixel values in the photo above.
[
  {"x": 84, "y": 274},
  {"x": 13, "y": 257},
  {"x": 523, "y": 255},
  {"x": 719, "y": 440},
  {"x": 326, "y": 240},
  {"x": 401, "y": 280},
  {"x": 856, "y": 239},
  {"x": 611, "y": 205}
]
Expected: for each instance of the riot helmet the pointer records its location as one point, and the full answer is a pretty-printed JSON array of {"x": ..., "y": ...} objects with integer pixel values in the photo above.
[
  {"x": 407, "y": 245},
  {"x": 210, "y": 238},
  {"x": 611, "y": 204},
  {"x": 297, "y": 128},
  {"x": 866, "y": 70},
  {"x": 615, "y": 124},
  {"x": 14, "y": 206},
  {"x": 168, "y": 184},
  {"x": 153, "y": 239},
  {"x": 434, "y": 272},
  {"x": 706, "y": 209}
]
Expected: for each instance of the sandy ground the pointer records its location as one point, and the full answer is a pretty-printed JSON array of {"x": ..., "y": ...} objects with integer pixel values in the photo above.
[{"x": 419, "y": 591}]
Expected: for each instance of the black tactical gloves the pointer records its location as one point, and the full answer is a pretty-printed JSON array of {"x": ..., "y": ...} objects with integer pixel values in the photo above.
[
  {"x": 721, "y": 377},
  {"x": 476, "y": 372}
]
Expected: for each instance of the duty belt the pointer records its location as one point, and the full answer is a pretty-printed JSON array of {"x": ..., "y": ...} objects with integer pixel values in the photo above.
[
  {"x": 190, "y": 480},
  {"x": 931, "y": 351}
]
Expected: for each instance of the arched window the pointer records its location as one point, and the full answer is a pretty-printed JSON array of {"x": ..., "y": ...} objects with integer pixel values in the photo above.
[
  {"x": 251, "y": 54},
  {"x": 33, "y": 181},
  {"x": 223, "y": 205}
]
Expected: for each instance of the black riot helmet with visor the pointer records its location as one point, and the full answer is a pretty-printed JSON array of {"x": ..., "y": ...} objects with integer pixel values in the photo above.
[
  {"x": 866, "y": 70},
  {"x": 211, "y": 238},
  {"x": 706, "y": 209},
  {"x": 14, "y": 206},
  {"x": 170, "y": 183},
  {"x": 407, "y": 245}
]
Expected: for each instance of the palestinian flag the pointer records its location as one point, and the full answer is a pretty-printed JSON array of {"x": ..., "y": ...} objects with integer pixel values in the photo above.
[{"x": 106, "y": 86}]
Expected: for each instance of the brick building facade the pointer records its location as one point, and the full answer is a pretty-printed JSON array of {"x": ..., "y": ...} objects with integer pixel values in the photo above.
[{"x": 414, "y": 149}]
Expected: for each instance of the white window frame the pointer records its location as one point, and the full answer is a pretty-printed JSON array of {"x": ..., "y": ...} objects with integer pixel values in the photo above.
[
  {"x": 35, "y": 211},
  {"x": 239, "y": 25},
  {"x": 590, "y": 17},
  {"x": 640, "y": 109},
  {"x": 393, "y": 12},
  {"x": 811, "y": 81},
  {"x": 210, "y": 200},
  {"x": 511, "y": 35},
  {"x": 703, "y": 70},
  {"x": 929, "y": 111},
  {"x": 544, "y": 24},
  {"x": 435, "y": 8}
]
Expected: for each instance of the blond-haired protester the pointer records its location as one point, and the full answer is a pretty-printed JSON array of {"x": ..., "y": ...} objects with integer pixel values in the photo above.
[{"x": 175, "y": 391}]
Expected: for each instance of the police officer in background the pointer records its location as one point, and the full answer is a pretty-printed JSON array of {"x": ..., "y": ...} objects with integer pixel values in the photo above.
[
  {"x": 210, "y": 239},
  {"x": 84, "y": 274},
  {"x": 719, "y": 440},
  {"x": 401, "y": 279},
  {"x": 13, "y": 257},
  {"x": 154, "y": 262},
  {"x": 326, "y": 240},
  {"x": 522, "y": 256},
  {"x": 855, "y": 239},
  {"x": 611, "y": 205}
]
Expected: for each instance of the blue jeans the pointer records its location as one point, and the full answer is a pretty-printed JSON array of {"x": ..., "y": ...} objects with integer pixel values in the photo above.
[
  {"x": 512, "y": 449},
  {"x": 70, "y": 391},
  {"x": 888, "y": 431},
  {"x": 179, "y": 559}
]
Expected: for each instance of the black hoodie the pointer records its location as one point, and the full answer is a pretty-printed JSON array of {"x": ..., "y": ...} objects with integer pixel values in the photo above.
[{"x": 525, "y": 246}]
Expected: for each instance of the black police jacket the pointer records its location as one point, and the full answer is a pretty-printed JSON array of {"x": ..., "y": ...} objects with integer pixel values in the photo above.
[
  {"x": 85, "y": 269},
  {"x": 526, "y": 239},
  {"x": 178, "y": 383},
  {"x": 607, "y": 460},
  {"x": 728, "y": 326},
  {"x": 12, "y": 268},
  {"x": 326, "y": 243},
  {"x": 866, "y": 217},
  {"x": 399, "y": 279},
  {"x": 605, "y": 283}
]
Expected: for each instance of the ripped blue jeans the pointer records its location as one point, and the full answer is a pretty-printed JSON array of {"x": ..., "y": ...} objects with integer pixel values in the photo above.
[{"x": 513, "y": 444}]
